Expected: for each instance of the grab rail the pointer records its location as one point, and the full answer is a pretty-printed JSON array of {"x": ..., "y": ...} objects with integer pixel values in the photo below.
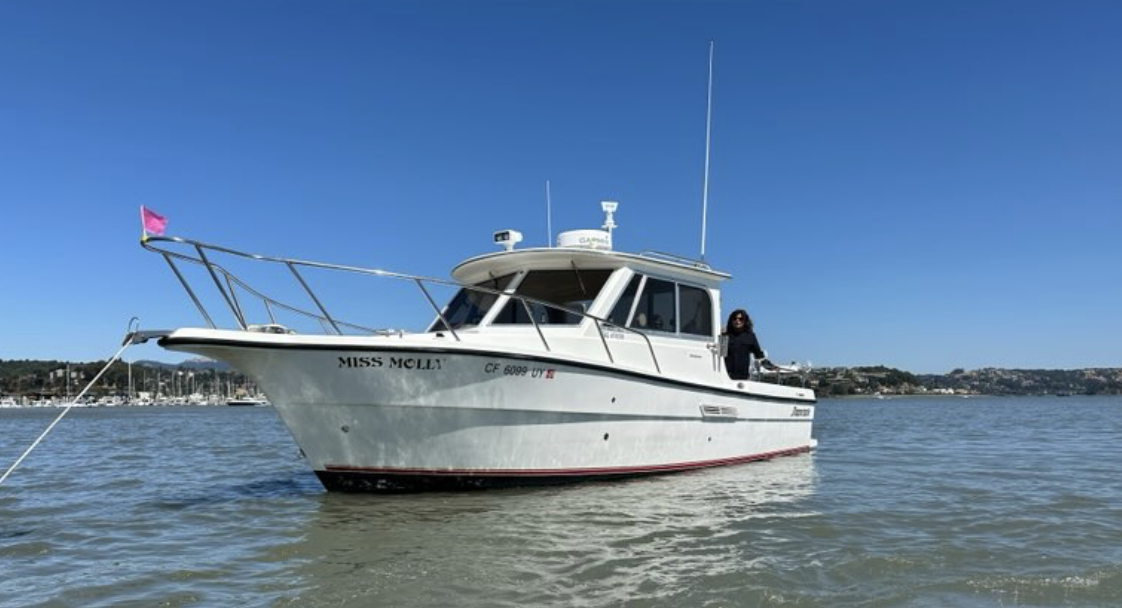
[
  {"x": 229, "y": 294},
  {"x": 671, "y": 257}
]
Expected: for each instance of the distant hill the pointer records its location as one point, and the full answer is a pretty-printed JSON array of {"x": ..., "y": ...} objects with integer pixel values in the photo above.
[
  {"x": 48, "y": 379},
  {"x": 842, "y": 381},
  {"x": 191, "y": 364}
]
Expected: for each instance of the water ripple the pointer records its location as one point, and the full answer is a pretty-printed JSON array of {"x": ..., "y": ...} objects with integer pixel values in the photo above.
[{"x": 908, "y": 502}]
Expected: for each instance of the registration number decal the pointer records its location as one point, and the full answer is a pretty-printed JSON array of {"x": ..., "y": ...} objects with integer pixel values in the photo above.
[{"x": 529, "y": 371}]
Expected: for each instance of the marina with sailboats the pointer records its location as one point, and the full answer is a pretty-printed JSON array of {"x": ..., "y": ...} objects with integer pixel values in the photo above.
[{"x": 126, "y": 384}]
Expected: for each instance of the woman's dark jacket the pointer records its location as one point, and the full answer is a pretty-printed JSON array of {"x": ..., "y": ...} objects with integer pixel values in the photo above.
[{"x": 741, "y": 345}]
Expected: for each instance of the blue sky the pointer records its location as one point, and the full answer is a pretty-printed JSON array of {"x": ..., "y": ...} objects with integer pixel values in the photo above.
[{"x": 925, "y": 185}]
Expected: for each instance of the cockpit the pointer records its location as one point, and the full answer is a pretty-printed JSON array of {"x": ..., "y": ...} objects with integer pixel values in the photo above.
[{"x": 624, "y": 296}]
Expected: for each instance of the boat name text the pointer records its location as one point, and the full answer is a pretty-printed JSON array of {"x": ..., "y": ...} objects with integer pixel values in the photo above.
[
  {"x": 409, "y": 363},
  {"x": 800, "y": 412}
]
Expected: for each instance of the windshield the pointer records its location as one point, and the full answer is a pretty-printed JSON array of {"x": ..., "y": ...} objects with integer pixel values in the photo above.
[
  {"x": 469, "y": 306},
  {"x": 573, "y": 288}
]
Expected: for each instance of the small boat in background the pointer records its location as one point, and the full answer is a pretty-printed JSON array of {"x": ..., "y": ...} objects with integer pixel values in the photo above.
[{"x": 247, "y": 402}]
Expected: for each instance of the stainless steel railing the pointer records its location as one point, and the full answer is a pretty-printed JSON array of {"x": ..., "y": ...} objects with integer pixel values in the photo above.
[
  {"x": 671, "y": 257},
  {"x": 229, "y": 294}
]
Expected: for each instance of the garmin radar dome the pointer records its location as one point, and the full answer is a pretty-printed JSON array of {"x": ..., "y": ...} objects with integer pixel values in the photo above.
[{"x": 592, "y": 239}]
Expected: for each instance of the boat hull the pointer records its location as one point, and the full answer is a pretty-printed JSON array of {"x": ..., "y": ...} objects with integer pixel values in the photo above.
[
  {"x": 374, "y": 479},
  {"x": 407, "y": 418}
]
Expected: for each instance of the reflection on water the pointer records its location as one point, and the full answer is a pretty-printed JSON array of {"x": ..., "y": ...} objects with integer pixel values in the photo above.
[
  {"x": 907, "y": 502},
  {"x": 564, "y": 545}
]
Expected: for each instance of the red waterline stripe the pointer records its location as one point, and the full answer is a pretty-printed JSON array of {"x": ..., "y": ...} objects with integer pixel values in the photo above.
[{"x": 657, "y": 468}]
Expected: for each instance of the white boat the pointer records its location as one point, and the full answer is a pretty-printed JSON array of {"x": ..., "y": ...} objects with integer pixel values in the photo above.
[
  {"x": 547, "y": 365},
  {"x": 247, "y": 402}
]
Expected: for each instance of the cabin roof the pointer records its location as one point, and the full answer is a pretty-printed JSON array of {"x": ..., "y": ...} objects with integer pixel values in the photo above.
[{"x": 482, "y": 267}]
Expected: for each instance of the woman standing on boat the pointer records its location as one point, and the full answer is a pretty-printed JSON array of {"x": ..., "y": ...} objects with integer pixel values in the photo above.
[{"x": 742, "y": 345}]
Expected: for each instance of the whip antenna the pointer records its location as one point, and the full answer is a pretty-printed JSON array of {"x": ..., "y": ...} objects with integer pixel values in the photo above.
[{"x": 705, "y": 182}]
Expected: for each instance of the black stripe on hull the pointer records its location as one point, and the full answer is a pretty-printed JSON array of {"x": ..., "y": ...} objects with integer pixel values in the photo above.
[
  {"x": 381, "y": 483},
  {"x": 358, "y": 479},
  {"x": 170, "y": 342}
]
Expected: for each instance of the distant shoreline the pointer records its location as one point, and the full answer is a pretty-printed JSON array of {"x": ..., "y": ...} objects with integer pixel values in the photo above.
[
  {"x": 59, "y": 406},
  {"x": 965, "y": 396},
  {"x": 45, "y": 382}
]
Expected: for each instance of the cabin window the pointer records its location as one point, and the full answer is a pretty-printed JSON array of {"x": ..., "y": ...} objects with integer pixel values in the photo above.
[
  {"x": 623, "y": 306},
  {"x": 696, "y": 309},
  {"x": 572, "y": 288},
  {"x": 468, "y": 306},
  {"x": 656, "y": 309}
]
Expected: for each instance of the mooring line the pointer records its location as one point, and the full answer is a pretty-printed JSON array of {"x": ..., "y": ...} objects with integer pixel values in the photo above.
[{"x": 127, "y": 343}]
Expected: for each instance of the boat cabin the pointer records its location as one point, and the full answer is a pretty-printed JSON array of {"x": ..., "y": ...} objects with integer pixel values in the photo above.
[
  {"x": 654, "y": 294},
  {"x": 651, "y": 311}
]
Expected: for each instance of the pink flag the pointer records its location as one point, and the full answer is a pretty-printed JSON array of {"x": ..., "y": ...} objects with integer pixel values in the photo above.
[{"x": 153, "y": 222}]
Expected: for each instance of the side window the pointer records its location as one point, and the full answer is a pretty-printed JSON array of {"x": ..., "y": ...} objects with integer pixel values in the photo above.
[
  {"x": 656, "y": 310},
  {"x": 623, "y": 305},
  {"x": 696, "y": 309}
]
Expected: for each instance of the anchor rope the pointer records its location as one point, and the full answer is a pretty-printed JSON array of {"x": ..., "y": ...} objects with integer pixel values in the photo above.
[{"x": 128, "y": 343}]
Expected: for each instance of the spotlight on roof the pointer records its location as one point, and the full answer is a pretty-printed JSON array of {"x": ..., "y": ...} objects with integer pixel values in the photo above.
[{"x": 508, "y": 238}]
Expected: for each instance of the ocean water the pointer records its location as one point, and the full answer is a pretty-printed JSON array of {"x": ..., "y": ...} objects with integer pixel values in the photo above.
[{"x": 926, "y": 502}]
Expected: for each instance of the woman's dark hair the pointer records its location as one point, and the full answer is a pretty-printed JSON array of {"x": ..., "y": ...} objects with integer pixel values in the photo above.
[{"x": 747, "y": 321}]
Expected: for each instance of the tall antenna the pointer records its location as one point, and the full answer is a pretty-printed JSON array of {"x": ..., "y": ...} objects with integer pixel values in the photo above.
[
  {"x": 705, "y": 182},
  {"x": 548, "y": 218}
]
